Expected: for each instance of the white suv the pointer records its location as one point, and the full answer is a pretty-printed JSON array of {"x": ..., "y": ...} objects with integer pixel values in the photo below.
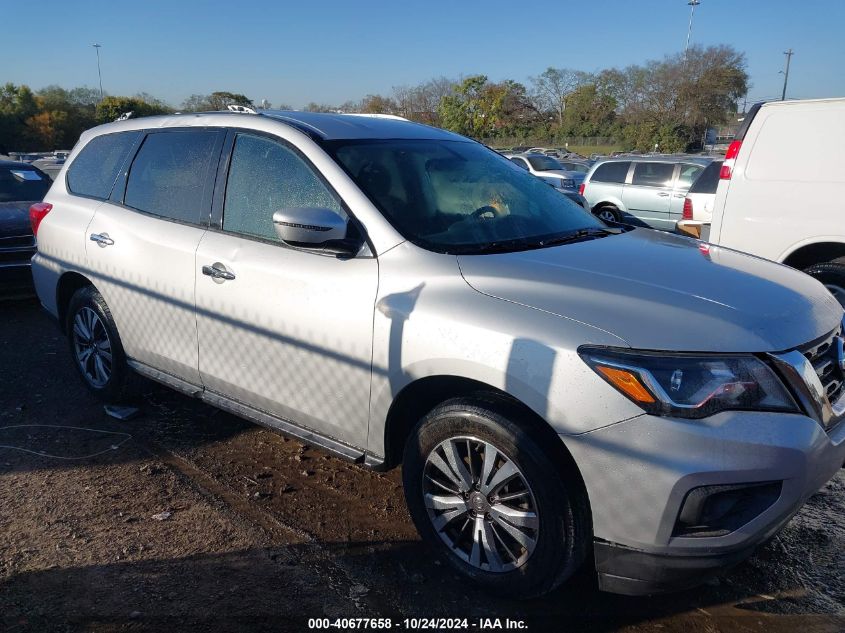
[{"x": 396, "y": 293}]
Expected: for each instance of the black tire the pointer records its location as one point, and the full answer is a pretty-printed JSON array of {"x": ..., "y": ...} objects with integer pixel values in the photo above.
[
  {"x": 118, "y": 386},
  {"x": 611, "y": 211},
  {"x": 563, "y": 535},
  {"x": 832, "y": 275}
]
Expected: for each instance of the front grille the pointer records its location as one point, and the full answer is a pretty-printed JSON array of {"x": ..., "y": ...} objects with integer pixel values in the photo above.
[
  {"x": 824, "y": 356},
  {"x": 17, "y": 241},
  {"x": 16, "y": 250}
]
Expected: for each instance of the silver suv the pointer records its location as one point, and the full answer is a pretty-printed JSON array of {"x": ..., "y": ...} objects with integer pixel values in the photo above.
[
  {"x": 650, "y": 188},
  {"x": 399, "y": 294}
]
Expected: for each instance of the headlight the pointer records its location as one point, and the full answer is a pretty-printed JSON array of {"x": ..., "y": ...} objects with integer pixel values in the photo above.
[{"x": 691, "y": 385}]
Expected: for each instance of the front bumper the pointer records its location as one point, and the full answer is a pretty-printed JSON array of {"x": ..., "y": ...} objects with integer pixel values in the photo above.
[{"x": 639, "y": 472}]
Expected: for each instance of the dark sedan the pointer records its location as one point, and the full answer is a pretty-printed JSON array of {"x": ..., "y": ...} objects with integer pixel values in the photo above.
[{"x": 21, "y": 185}]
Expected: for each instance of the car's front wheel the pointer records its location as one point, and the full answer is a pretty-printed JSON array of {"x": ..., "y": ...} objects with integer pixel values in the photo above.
[
  {"x": 832, "y": 275},
  {"x": 481, "y": 490},
  {"x": 95, "y": 345}
]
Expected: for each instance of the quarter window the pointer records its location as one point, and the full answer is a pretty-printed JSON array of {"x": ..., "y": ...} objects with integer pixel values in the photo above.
[
  {"x": 265, "y": 176},
  {"x": 94, "y": 170},
  {"x": 611, "y": 172},
  {"x": 653, "y": 174},
  {"x": 169, "y": 175}
]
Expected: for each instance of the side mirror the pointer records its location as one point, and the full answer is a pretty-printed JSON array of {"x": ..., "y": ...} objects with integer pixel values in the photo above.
[{"x": 315, "y": 228}]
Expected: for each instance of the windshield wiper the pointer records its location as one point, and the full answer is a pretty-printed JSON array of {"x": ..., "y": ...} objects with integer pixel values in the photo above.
[
  {"x": 578, "y": 236},
  {"x": 525, "y": 244}
]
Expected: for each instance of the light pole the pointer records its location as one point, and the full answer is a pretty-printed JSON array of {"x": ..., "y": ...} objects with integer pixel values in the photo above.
[
  {"x": 789, "y": 55},
  {"x": 99, "y": 74},
  {"x": 693, "y": 4}
]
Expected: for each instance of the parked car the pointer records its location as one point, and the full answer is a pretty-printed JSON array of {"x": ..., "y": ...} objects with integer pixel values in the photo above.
[
  {"x": 771, "y": 203},
  {"x": 649, "y": 188},
  {"x": 698, "y": 205},
  {"x": 581, "y": 166},
  {"x": 397, "y": 293},
  {"x": 50, "y": 166},
  {"x": 21, "y": 185},
  {"x": 549, "y": 169}
]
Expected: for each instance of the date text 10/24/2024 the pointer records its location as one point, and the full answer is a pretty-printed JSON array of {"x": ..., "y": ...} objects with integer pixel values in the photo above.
[{"x": 417, "y": 624}]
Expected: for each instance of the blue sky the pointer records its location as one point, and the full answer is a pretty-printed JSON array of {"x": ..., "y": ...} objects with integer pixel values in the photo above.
[{"x": 329, "y": 51}]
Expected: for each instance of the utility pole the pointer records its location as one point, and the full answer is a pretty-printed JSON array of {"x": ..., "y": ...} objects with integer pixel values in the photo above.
[
  {"x": 789, "y": 55},
  {"x": 693, "y": 4},
  {"x": 99, "y": 74}
]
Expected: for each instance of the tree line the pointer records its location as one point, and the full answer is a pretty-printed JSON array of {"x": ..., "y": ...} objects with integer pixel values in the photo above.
[{"x": 668, "y": 102}]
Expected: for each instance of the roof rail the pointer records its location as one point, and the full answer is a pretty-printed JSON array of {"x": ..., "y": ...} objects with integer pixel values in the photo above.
[{"x": 240, "y": 108}]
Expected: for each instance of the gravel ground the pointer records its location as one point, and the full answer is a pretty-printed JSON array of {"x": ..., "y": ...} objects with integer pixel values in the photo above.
[{"x": 187, "y": 518}]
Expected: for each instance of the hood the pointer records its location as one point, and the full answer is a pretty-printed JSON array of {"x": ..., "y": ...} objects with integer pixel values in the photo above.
[
  {"x": 660, "y": 291},
  {"x": 14, "y": 219}
]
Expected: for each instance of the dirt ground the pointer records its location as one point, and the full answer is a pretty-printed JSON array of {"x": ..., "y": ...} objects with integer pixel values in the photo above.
[{"x": 189, "y": 519}]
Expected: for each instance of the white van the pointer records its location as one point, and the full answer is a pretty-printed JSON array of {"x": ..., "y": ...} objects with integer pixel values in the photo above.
[{"x": 781, "y": 193}]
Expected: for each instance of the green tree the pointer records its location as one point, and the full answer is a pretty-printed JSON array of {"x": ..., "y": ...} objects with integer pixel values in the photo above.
[
  {"x": 17, "y": 104},
  {"x": 464, "y": 111},
  {"x": 219, "y": 100},
  {"x": 111, "y": 108}
]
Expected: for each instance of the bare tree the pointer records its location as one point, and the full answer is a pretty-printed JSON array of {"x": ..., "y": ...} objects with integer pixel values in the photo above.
[{"x": 553, "y": 87}]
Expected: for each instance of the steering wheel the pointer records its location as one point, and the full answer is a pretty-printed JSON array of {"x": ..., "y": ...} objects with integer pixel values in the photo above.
[{"x": 483, "y": 212}]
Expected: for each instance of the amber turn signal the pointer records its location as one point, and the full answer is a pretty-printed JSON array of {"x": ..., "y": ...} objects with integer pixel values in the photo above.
[{"x": 626, "y": 382}]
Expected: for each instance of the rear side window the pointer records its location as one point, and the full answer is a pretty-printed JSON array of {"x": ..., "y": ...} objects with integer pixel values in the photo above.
[
  {"x": 170, "y": 174},
  {"x": 611, "y": 172},
  {"x": 653, "y": 174},
  {"x": 687, "y": 175},
  {"x": 708, "y": 180},
  {"x": 23, "y": 184},
  {"x": 96, "y": 167},
  {"x": 265, "y": 176}
]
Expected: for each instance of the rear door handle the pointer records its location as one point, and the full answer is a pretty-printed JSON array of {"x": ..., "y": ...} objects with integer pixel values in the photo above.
[
  {"x": 663, "y": 194},
  {"x": 218, "y": 271},
  {"x": 102, "y": 239}
]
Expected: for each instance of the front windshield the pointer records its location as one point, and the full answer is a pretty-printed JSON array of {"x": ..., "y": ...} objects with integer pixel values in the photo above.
[
  {"x": 459, "y": 197},
  {"x": 544, "y": 163}
]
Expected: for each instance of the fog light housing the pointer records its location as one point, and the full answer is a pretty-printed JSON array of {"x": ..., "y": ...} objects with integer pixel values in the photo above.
[{"x": 710, "y": 511}]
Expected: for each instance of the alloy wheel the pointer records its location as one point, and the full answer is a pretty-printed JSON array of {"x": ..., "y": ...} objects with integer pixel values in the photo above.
[
  {"x": 480, "y": 504},
  {"x": 607, "y": 215},
  {"x": 93, "y": 347}
]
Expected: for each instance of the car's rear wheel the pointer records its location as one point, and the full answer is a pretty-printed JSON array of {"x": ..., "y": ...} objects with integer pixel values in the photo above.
[
  {"x": 482, "y": 491},
  {"x": 608, "y": 214},
  {"x": 95, "y": 345},
  {"x": 832, "y": 275}
]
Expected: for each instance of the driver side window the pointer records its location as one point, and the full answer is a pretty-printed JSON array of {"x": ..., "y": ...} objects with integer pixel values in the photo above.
[{"x": 265, "y": 176}]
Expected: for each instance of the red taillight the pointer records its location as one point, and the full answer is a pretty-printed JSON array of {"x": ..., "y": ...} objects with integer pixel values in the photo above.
[
  {"x": 38, "y": 212},
  {"x": 687, "y": 209},
  {"x": 581, "y": 188},
  {"x": 726, "y": 171}
]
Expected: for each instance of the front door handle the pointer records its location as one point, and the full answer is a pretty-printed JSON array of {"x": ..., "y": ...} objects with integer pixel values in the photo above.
[
  {"x": 218, "y": 271},
  {"x": 102, "y": 239}
]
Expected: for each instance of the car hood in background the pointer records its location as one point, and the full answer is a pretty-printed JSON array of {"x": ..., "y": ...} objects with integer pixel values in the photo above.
[
  {"x": 663, "y": 292},
  {"x": 14, "y": 219}
]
